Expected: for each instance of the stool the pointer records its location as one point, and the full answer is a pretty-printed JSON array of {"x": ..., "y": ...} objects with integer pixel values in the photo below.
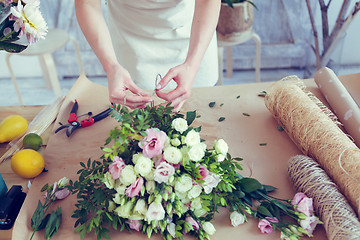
[
  {"x": 246, "y": 36},
  {"x": 54, "y": 40}
]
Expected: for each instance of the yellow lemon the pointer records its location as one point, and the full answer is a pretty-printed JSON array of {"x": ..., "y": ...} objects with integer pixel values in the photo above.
[
  {"x": 27, "y": 163},
  {"x": 12, "y": 127},
  {"x": 32, "y": 141}
]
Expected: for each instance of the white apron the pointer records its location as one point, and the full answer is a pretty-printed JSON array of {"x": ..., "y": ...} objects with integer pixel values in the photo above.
[{"x": 152, "y": 36}]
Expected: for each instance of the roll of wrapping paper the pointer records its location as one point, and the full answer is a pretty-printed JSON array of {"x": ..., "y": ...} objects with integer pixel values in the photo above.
[
  {"x": 340, "y": 220},
  {"x": 316, "y": 134},
  {"x": 340, "y": 101}
]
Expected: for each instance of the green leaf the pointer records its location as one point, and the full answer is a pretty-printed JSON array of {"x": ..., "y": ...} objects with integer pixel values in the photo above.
[
  {"x": 12, "y": 47},
  {"x": 53, "y": 224},
  {"x": 38, "y": 216},
  {"x": 211, "y": 104},
  {"x": 269, "y": 188},
  {"x": 221, "y": 119},
  {"x": 249, "y": 185},
  {"x": 190, "y": 117},
  {"x": 264, "y": 211},
  {"x": 246, "y": 114}
]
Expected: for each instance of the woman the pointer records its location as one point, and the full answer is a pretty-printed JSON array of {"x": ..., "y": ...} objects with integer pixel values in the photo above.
[{"x": 143, "y": 38}]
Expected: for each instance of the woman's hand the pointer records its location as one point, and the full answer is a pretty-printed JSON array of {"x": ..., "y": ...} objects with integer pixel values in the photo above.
[
  {"x": 184, "y": 76},
  {"x": 119, "y": 81}
]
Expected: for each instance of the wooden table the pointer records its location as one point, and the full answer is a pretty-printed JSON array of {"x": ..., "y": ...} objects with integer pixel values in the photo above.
[{"x": 28, "y": 112}]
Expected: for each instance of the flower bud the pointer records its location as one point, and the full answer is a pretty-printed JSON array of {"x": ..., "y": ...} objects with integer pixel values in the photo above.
[
  {"x": 169, "y": 208},
  {"x": 158, "y": 199},
  {"x": 175, "y": 142},
  {"x": 165, "y": 196}
]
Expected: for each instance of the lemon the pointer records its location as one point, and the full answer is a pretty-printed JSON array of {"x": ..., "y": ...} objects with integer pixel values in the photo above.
[
  {"x": 12, "y": 127},
  {"x": 32, "y": 141},
  {"x": 27, "y": 163}
]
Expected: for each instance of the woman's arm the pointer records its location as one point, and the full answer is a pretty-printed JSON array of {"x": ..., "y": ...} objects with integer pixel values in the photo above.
[
  {"x": 204, "y": 23},
  {"x": 92, "y": 23}
]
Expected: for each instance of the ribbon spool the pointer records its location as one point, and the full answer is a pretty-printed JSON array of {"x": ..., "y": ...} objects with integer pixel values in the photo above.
[
  {"x": 316, "y": 134},
  {"x": 340, "y": 220}
]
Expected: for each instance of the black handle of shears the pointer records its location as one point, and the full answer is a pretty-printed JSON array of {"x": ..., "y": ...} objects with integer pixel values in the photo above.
[{"x": 102, "y": 115}]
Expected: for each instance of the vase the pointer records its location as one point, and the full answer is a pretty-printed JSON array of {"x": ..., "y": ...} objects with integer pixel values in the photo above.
[{"x": 234, "y": 23}]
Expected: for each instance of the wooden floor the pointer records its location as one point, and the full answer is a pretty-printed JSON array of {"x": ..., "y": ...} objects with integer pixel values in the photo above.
[{"x": 34, "y": 91}]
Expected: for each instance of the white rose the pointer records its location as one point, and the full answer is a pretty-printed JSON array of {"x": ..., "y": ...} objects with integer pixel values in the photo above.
[
  {"x": 108, "y": 180},
  {"x": 237, "y": 218},
  {"x": 195, "y": 191},
  {"x": 140, "y": 207},
  {"x": 124, "y": 211},
  {"x": 175, "y": 142},
  {"x": 221, "y": 146},
  {"x": 200, "y": 212},
  {"x": 63, "y": 182},
  {"x": 172, "y": 155},
  {"x": 192, "y": 138},
  {"x": 196, "y": 203},
  {"x": 143, "y": 166},
  {"x": 179, "y": 124},
  {"x": 150, "y": 186},
  {"x": 128, "y": 175},
  {"x": 136, "y": 156},
  {"x": 211, "y": 181},
  {"x": 117, "y": 198},
  {"x": 182, "y": 196},
  {"x": 196, "y": 152},
  {"x": 208, "y": 228},
  {"x": 220, "y": 157},
  {"x": 171, "y": 229},
  {"x": 120, "y": 188},
  {"x": 183, "y": 183},
  {"x": 155, "y": 212},
  {"x": 150, "y": 176},
  {"x": 185, "y": 156}
]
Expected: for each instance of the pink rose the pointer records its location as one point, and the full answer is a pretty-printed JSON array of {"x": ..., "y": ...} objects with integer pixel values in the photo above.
[
  {"x": 309, "y": 224},
  {"x": 163, "y": 172},
  {"x": 297, "y": 198},
  {"x": 306, "y": 206},
  {"x": 153, "y": 144},
  {"x": 61, "y": 194},
  {"x": 162, "y": 159},
  {"x": 203, "y": 171},
  {"x": 265, "y": 226},
  {"x": 134, "y": 189},
  {"x": 193, "y": 223},
  {"x": 135, "y": 225},
  {"x": 272, "y": 220},
  {"x": 116, "y": 167},
  {"x": 211, "y": 181}
]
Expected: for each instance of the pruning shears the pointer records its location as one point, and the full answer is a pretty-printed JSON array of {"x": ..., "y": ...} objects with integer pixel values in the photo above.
[{"x": 74, "y": 124}]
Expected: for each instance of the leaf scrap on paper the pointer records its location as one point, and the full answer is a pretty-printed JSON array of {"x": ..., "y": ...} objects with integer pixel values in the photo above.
[
  {"x": 221, "y": 119},
  {"x": 211, "y": 104},
  {"x": 262, "y": 94},
  {"x": 246, "y": 114}
]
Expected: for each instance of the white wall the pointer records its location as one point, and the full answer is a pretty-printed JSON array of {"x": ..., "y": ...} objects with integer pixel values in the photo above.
[{"x": 29, "y": 66}]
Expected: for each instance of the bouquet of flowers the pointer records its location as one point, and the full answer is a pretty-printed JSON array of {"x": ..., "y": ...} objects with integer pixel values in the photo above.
[
  {"x": 159, "y": 176},
  {"x": 20, "y": 18}
]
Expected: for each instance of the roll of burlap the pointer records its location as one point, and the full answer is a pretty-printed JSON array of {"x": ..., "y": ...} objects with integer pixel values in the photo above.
[
  {"x": 340, "y": 220},
  {"x": 316, "y": 135}
]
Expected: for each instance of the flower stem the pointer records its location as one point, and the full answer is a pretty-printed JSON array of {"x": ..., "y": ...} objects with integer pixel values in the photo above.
[{"x": 7, "y": 35}]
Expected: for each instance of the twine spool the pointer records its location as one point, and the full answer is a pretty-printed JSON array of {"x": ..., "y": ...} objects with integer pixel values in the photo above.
[
  {"x": 316, "y": 135},
  {"x": 340, "y": 220}
]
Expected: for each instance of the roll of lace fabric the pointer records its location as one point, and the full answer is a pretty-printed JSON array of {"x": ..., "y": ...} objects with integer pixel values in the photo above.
[
  {"x": 316, "y": 134},
  {"x": 340, "y": 220}
]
